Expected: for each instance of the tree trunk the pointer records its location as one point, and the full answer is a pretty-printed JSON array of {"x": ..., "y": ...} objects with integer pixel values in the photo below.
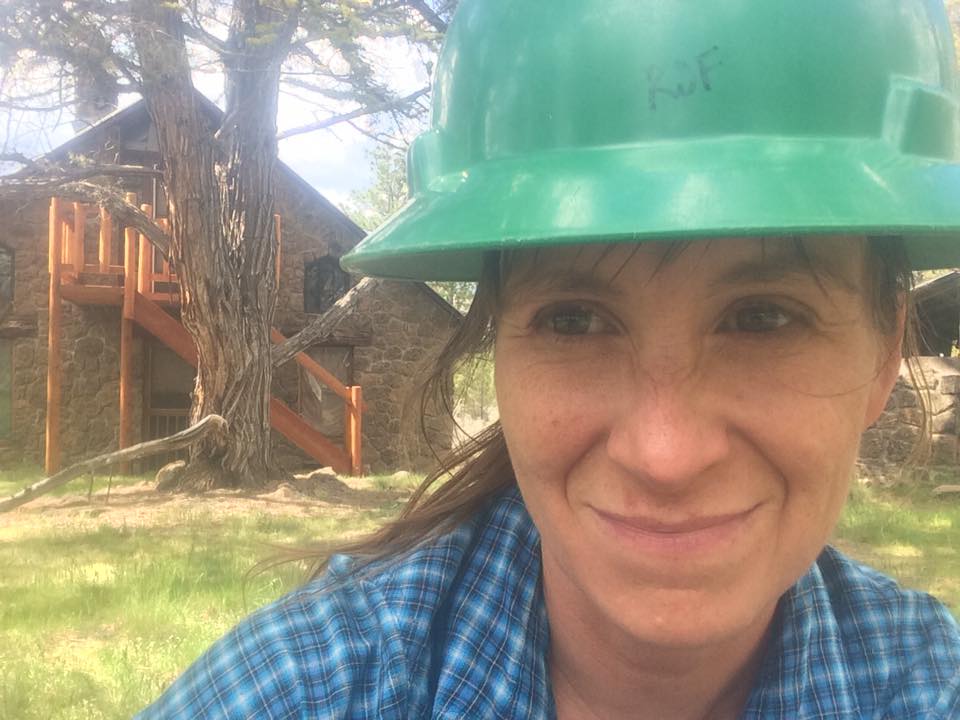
[{"x": 220, "y": 200}]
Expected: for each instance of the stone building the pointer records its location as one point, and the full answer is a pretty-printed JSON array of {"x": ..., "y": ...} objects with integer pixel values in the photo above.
[
  {"x": 399, "y": 329},
  {"x": 896, "y": 439}
]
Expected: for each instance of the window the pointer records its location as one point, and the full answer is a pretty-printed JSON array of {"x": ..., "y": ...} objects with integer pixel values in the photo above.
[
  {"x": 323, "y": 284},
  {"x": 321, "y": 407}
]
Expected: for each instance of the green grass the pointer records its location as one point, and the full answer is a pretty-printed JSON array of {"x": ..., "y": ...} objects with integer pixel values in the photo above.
[
  {"x": 96, "y": 621},
  {"x": 97, "y": 617},
  {"x": 909, "y": 534},
  {"x": 17, "y": 478}
]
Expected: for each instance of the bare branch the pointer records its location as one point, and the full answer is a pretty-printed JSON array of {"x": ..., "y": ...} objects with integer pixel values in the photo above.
[
  {"x": 55, "y": 174},
  {"x": 323, "y": 326},
  {"x": 313, "y": 87},
  {"x": 946, "y": 489},
  {"x": 320, "y": 66},
  {"x": 17, "y": 157},
  {"x": 211, "y": 424},
  {"x": 354, "y": 114},
  {"x": 377, "y": 137},
  {"x": 110, "y": 197},
  {"x": 195, "y": 31},
  {"x": 427, "y": 13}
]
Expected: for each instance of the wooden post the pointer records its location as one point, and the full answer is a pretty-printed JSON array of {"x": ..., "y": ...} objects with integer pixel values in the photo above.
[
  {"x": 105, "y": 248},
  {"x": 77, "y": 240},
  {"x": 145, "y": 282},
  {"x": 66, "y": 230},
  {"x": 66, "y": 244},
  {"x": 279, "y": 230},
  {"x": 68, "y": 273},
  {"x": 348, "y": 427},
  {"x": 129, "y": 264},
  {"x": 164, "y": 224},
  {"x": 354, "y": 428},
  {"x": 126, "y": 335},
  {"x": 53, "y": 248},
  {"x": 51, "y": 460}
]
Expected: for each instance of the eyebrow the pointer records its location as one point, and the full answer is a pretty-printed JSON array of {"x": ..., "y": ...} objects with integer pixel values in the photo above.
[
  {"x": 773, "y": 265},
  {"x": 568, "y": 280},
  {"x": 777, "y": 267}
]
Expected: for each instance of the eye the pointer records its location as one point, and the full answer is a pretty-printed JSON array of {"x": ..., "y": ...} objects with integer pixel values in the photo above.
[
  {"x": 572, "y": 320},
  {"x": 757, "y": 317}
]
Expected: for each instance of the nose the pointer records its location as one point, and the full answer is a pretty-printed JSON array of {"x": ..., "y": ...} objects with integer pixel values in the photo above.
[{"x": 667, "y": 435}]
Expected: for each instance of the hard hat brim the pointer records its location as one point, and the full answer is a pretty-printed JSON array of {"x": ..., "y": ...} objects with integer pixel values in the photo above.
[{"x": 739, "y": 187}]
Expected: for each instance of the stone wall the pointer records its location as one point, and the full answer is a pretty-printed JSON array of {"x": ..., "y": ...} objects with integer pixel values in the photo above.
[
  {"x": 895, "y": 439},
  {"x": 395, "y": 334},
  {"x": 310, "y": 230},
  {"x": 90, "y": 356},
  {"x": 407, "y": 325}
]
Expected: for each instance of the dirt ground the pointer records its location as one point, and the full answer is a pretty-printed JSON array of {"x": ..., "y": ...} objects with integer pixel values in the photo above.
[{"x": 140, "y": 505}]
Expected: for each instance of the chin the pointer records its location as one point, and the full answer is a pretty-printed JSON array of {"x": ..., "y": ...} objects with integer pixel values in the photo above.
[{"x": 688, "y": 619}]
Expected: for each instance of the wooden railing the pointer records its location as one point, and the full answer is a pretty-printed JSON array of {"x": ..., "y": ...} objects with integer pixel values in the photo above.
[
  {"x": 352, "y": 396},
  {"x": 145, "y": 273}
]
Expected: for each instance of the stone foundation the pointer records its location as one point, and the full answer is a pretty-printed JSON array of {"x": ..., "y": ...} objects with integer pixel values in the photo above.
[{"x": 896, "y": 439}]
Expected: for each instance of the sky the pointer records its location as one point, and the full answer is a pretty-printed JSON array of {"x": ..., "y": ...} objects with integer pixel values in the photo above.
[{"x": 334, "y": 161}]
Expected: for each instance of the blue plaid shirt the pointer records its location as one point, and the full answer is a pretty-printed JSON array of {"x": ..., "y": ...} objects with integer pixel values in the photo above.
[{"x": 458, "y": 629}]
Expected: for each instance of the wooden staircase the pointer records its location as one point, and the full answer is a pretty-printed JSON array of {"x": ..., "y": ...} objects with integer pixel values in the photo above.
[
  {"x": 139, "y": 289},
  {"x": 152, "y": 318}
]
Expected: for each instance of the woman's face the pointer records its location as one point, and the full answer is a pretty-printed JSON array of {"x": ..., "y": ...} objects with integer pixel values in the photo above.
[{"x": 683, "y": 429}]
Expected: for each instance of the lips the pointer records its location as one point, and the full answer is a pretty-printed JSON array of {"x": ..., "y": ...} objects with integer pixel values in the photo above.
[
  {"x": 657, "y": 526},
  {"x": 697, "y": 538}
]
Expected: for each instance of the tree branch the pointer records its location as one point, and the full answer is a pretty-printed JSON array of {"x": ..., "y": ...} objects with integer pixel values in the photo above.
[
  {"x": 195, "y": 31},
  {"x": 211, "y": 424},
  {"x": 52, "y": 173},
  {"x": 110, "y": 197},
  {"x": 17, "y": 157},
  {"x": 354, "y": 114},
  {"x": 323, "y": 326},
  {"x": 381, "y": 138},
  {"x": 946, "y": 489},
  {"x": 427, "y": 13}
]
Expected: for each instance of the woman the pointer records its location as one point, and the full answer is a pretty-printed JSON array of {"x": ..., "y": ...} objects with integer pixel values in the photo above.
[{"x": 694, "y": 230}]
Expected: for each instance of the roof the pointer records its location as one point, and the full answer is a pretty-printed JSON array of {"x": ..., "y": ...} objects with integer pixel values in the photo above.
[
  {"x": 441, "y": 301},
  {"x": 136, "y": 114},
  {"x": 938, "y": 286}
]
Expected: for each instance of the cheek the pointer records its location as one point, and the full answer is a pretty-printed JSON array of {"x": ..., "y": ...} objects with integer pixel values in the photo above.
[
  {"x": 806, "y": 447},
  {"x": 800, "y": 434},
  {"x": 551, "y": 412}
]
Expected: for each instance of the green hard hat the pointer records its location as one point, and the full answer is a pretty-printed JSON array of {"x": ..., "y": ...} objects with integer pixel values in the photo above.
[{"x": 565, "y": 121}]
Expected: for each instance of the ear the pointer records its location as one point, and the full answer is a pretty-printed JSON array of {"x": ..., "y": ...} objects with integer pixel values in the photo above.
[{"x": 888, "y": 370}]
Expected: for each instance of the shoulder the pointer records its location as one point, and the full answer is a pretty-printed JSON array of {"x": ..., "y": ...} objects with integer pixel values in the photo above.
[
  {"x": 874, "y": 611},
  {"x": 341, "y": 646},
  {"x": 869, "y": 646}
]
